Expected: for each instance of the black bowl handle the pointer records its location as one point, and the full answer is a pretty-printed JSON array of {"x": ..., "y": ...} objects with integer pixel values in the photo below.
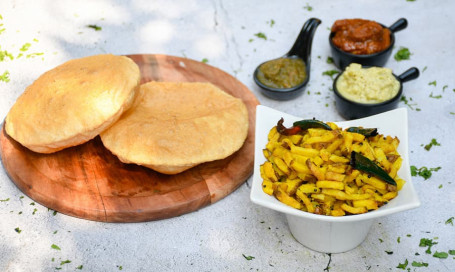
[
  {"x": 399, "y": 25},
  {"x": 302, "y": 45},
  {"x": 410, "y": 74}
]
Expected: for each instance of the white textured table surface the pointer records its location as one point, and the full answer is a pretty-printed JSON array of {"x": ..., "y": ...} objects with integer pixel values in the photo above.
[{"x": 218, "y": 237}]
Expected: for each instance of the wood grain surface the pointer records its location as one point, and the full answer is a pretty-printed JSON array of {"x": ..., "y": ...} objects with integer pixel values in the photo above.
[{"x": 89, "y": 182}]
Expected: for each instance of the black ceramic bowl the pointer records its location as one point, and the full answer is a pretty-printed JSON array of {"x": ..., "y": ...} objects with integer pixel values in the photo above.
[
  {"x": 342, "y": 59},
  {"x": 353, "y": 110},
  {"x": 282, "y": 93}
]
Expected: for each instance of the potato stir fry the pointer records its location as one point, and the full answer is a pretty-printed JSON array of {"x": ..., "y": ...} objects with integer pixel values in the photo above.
[{"x": 323, "y": 169}]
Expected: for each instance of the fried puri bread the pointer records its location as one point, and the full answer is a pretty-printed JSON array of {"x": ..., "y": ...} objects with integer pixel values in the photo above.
[
  {"x": 73, "y": 102},
  {"x": 174, "y": 126}
]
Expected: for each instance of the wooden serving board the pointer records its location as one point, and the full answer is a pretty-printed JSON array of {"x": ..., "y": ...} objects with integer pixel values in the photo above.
[{"x": 89, "y": 182}]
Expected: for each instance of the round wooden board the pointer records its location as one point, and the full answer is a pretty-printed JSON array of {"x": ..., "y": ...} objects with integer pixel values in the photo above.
[{"x": 89, "y": 182}]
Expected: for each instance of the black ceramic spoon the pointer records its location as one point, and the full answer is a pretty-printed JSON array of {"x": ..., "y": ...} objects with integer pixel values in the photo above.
[{"x": 301, "y": 49}]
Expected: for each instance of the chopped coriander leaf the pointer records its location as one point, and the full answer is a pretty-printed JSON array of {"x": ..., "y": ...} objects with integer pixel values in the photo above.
[
  {"x": 248, "y": 258},
  {"x": 410, "y": 0},
  {"x": 452, "y": 251},
  {"x": 433, "y": 142},
  {"x": 424, "y": 242},
  {"x": 120, "y": 267},
  {"x": 80, "y": 267},
  {"x": 250, "y": 40},
  {"x": 329, "y": 60},
  {"x": 272, "y": 22},
  {"x": 5, "y": 77},
  {"x": 402, "y": 54},
  {"x": 403, "y": 265},
  {"x": 32, "y": 203},
  {"x": 445, "y": 87},
  {"x": 54, "y": 213},
  {"x": 32, "y": 55},
  {"x": 441, "y": 255},
  {"x": 58, "y": 268},
  {"x": 424, "y": 69},
  {"x": 308, "y": 7},
  {"x": 398, "y": 239},
  {"x": 4, "y": 200},
  {"x": 452, "y": 113},
  {"x": 435, "y": 96},
  {"x": 55, "y": 231},
  {"x": 204, "y": 60},
  {"x": 408, "y": 235},
  {"x": 261, "y": 35},
  {"x": 34, "y": 211},
  {"x": 54, "y": 246},
  {"x": 330, "y": 73},
  {"x": 423, "y": 171},
  {"x": 440, "y": 186},
  {"x": 432, "y": 83},
  {"x": 65, "y": 262},
  {"x": 389, "y": 252},
  {"x": 4, "y": 54},
  {"x": 25, "y": 47},
  {"x": 419, "y": 264},
  {"x": 18, "y": 230},
  {"x": 450, "y": 221},
  {"x": 95, "y": 27}
]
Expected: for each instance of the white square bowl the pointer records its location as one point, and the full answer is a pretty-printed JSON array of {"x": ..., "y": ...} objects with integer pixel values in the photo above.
[{"x": 331, "y": 234}]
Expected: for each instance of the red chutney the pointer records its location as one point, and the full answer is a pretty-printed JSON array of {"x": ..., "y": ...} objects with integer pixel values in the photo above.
[{"x": 360, "y": 37}]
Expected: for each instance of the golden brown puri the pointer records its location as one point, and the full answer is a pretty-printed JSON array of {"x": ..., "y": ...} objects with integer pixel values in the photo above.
[
  {"x": 174, "y": 126},
  {"x": 73, "y": 102}
]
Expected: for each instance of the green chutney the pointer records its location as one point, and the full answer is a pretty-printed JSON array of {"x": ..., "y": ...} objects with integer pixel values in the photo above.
[{"x": 282, "y": 73}]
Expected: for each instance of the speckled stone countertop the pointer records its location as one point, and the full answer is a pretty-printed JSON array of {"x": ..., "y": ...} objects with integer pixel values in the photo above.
[{"x": 233, "y": 234}]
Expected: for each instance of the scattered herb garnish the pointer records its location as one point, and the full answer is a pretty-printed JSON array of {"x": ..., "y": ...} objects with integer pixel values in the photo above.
[
  {"x": 424, "y": 69},
  {"x": 441, "y": 255},
  {"x": 435, "y": 96},
  {"x": 80, "y": 267},
  {"x": 398, "y": 239},
  {"x": 4, "y": 200},
  {"x": 272, "y": 22},
  {"x": 308, "y": 7},
  {"x": 402, "y": 54},
  {"x": 25, "y": 47},
  {"x": 32, "y": 203},
  {"x": 330, "y": 73},
  {"x": 5, "y": 77},
  {"x": 403, "y": 265},
  {"x": 65, "y": 262},
  {"x": 34, "y": 211},
  {"x": 445, "y": 87},
  {"x": 389, "y": 252},
  {"x": 4, "y": 54},
  {"x": 120, "y": 267},
  {"x": 406, "y": 102},
  {"x": 450, "y": 221},
  {"x": 55, "y": 231},
  {"x": 18, "y": 230},
  {"x": 419, "y": 264},
  {"x": 54, "y": 246},
  {"x": 431, "y": 144},
  {"x": 261, "y": 35},
  {"x": 204, "y": 60},
  {"x": 424, "y": 242},
  {"x": 440, "y": 186},
  {"x": 329, "y": 60},
  {"x": 452, "y": 251},
  {"x": 432, "y": 83},
  {"x": 423, "y": 171},
  {"x": 95, "y": 27},
  {"x": 248, "y": 258}
]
